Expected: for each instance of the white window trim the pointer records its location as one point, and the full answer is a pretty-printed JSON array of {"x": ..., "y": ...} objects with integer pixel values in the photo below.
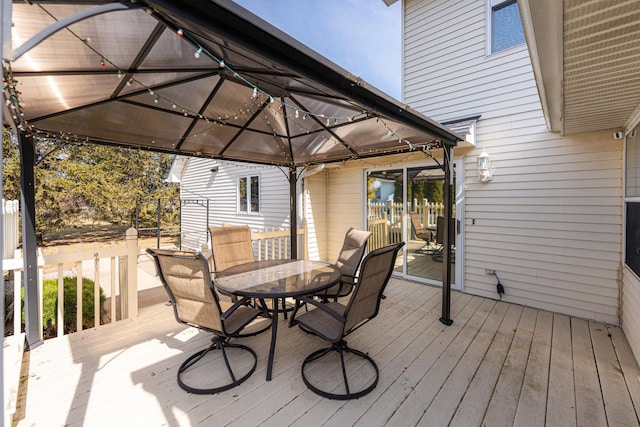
[
  {"x": 248, "y": 178},
  {"x": 627, "y": 199},
  {"x": 489, "y": 34}
]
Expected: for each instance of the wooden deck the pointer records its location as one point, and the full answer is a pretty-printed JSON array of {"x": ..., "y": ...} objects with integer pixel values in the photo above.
[{"x": 498, "y": 364}]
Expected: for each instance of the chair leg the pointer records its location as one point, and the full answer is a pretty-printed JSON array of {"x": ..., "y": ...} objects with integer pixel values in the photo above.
[
  {"x": 342, "y": 348},
  {"x": 218, "y": 343}
]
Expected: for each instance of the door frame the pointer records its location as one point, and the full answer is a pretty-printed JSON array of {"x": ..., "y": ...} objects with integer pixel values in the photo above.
[{"x": 459, "y": 198}]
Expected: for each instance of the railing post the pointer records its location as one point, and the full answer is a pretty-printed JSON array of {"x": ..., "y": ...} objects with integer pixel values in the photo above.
[
  {"x": 305, "y": 239},
  {"x": 132, "y": 273}
]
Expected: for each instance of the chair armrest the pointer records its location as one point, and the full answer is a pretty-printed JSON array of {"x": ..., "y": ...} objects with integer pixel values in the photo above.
[
  {"x": 322, "y": 306},
  {"x": 234, "y": 307},
  {"x": 349, "y": 279}
]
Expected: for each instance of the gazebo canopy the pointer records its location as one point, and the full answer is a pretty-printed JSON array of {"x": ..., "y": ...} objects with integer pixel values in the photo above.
[{"x": 200, "y": 78}]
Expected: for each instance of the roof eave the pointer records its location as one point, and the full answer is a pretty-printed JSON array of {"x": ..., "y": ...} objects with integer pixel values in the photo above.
[{"x": 542, "y": 23}]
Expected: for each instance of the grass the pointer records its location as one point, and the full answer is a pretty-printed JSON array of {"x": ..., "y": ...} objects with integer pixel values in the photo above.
[{"x": 50, "y": 303}]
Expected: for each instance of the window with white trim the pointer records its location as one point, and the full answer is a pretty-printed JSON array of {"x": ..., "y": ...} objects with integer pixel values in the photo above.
[
  {"x": 632, "y": 200},
  {"x": 504, "y": 29},
  {"x": 249, "y": 194}
]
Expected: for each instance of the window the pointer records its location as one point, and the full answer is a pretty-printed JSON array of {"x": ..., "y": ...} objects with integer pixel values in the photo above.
[
  {"x": 632, "y": 200},
  {"x": 249, "y": 194},
  {"x": 505, "y": 25}
]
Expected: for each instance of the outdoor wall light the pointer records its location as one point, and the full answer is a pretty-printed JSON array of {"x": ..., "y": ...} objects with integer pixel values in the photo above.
[
  {"x": 485, "y": 171},
  {"x": 214, "y": 169}
]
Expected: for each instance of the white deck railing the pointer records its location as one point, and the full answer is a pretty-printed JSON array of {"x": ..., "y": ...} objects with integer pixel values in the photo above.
[
  {"x": 10, "y": 233},
  {"x": 121, "y": 275},
  {"x": 122, "y": 279}
]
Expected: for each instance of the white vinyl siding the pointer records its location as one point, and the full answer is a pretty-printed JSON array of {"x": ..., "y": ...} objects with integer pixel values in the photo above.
[
  {"x": 630, "y": 314},
  {"x": 550, "y": 222},
  {"x": 315, "y": 211},
  {"x": 221, "y": 190},
  {"x": 344, "y": 205}
]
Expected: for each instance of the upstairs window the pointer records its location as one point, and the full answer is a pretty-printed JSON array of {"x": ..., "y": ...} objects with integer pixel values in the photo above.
[
  {"x": 505, "y": 25},
  {"x": 249, "y": 194}
]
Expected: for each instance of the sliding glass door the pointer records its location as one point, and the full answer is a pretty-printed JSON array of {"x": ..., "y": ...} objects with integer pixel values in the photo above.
[
  {"x": 407, "y": 204},
  {"x": 384, "y": 210}
]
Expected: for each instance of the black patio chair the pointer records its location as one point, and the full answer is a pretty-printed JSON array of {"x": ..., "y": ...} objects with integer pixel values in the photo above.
[{"x": 333, "y": 321}]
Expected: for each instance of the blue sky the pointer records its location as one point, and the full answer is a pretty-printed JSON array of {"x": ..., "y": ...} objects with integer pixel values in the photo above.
[{"x": 361, "y": 36}]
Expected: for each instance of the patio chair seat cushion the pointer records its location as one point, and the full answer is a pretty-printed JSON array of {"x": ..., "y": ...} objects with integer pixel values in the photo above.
[
  {"x": 322, "y": 323},
  {"x": 239, "y": 318}
]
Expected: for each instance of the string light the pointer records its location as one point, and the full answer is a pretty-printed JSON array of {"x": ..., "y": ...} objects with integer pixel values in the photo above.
[{"x": 255, "y": 92}]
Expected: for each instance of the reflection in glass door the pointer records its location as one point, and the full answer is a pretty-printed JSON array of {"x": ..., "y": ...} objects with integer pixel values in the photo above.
[
  {"x": 412, "y": 198},
  {"x": 425, "y": 206},
  {"x": 384, "y": 210}
]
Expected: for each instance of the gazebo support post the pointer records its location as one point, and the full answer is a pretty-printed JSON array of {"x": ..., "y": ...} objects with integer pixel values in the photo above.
[
  {"x": 448, "y": 237},
  {"x": 293, "y": 214},
  {"x": 33, "y": 322}
]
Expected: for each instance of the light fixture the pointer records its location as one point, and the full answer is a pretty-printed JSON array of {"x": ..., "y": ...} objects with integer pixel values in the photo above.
[
  {"x": 198, "y": 52},
  {"x": 485, "y": 171}
]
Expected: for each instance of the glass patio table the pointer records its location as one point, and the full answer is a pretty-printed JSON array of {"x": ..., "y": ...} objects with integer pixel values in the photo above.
[{"x": 277, "y": 279}]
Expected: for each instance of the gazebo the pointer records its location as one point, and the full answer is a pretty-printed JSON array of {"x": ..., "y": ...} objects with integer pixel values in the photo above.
[{"x": 195, "y": 78}]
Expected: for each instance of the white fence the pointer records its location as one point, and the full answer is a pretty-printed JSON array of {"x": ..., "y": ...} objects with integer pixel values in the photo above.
[
  {"x": 427, "y": 211},
  {"x": 384, "y": 219},
  {"x": 10, "y": 229},
  {"x": 121, "y": 277}
]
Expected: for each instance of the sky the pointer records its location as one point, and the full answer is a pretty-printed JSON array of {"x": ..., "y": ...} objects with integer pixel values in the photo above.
[{"x": 361, "y": 36}]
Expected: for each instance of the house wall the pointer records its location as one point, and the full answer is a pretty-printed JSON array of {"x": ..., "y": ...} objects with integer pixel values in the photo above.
[
  {"x": 315, "y": 211},
  {"x": 550, "y": 222},
  {"x": 630, "y": 314},
  {"x": 220, "y": 189},
  {"x": 344, "y": 205}
]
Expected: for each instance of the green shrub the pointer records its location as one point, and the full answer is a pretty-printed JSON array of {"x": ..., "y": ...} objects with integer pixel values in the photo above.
[{"x": 50, "y": 303}]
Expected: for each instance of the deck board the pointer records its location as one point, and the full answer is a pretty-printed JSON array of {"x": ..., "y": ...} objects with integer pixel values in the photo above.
[
  {"x": 412, "y": 408},
  {"x": 533, "y": 396},
  {"x": 589, "y": 404},
  {"x": 444, "y": 405},
  {"x": 561, "y": 405},
  {"x": 504, "y": 402},
  {"x": 474, "y": 403},
  {"x": 498, "y": 364},
  {"x": 628, "y": 365},
  {"x": 617, "y": 401}
]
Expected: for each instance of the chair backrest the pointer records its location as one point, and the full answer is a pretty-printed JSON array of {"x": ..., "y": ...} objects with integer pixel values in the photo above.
[
  {"x": 375, "y": 272},
  {"x": 353, "y": 248},
  {"x": 231, "y": 246},
  {"x": 415, "y": 221},
  {"x": 186, "y": 278},
  {"x": 440, "y": 228}
]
